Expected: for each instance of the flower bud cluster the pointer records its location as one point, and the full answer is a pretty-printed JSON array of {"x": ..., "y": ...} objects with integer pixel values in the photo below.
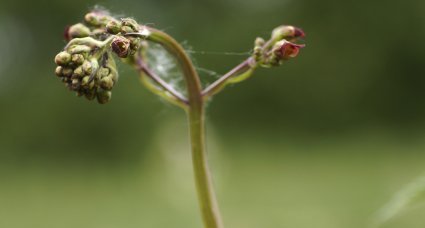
[
  {"x": 86, "y": 66},
  {"x": 124, "y": 46},
  {"x": 94, "y": 25},
  {"x": 280, "y": 48},
  {"x": 84, "y": 73}
]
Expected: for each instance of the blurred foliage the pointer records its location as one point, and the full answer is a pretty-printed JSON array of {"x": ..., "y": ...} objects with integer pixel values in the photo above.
[{"x": 323, "y": 141}]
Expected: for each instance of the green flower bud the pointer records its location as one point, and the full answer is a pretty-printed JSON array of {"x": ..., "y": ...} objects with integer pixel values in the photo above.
[
  {"x": 63, "y": 58},
  {"x": 259, "y": 42},
  {"x": 87, "y": 67},
  {"x": 258, "y": 54},
  {"x": 106, "y": 83},
  {"x": 58, "y": 71},
  {"x": 75, "y": 84},
  {"x": 103, "y": 72},
  {"x": 86, "y": 83},
  {"x": 129, "y": 25},
  {"x": 97, "y": 18},
  {"x": 78, "y": 72},
  {"x": 103, "y": 96},
  {"x": 77, "y": 31},
  {"x": 135, "y": 44},
  {"x": 126, "y": 29},
  {"x": 92, "y": 18},
  {"x": 258, "y": 51},
  {"x": 113, "y": 27},
  {"x": 67, "y": 72},
  {"x": 77, "y": 59}
]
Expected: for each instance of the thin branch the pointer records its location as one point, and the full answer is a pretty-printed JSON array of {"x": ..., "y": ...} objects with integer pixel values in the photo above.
[
  {"x": 143, "y": 67},
  {"x": 211, "y": 89}
]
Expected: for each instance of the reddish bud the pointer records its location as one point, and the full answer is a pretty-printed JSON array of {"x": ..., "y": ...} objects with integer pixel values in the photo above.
[
  {"x": 298, "y": 33},
  {"x": 287, "y": 32},
  {"x": 285, "y": 49},
  {"x": 121, "y": 46}
]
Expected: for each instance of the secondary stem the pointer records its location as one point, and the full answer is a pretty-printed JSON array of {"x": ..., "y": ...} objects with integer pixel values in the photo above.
[
  {"x": 220, "y": 83},
  {"x": 143, "y": 67}
]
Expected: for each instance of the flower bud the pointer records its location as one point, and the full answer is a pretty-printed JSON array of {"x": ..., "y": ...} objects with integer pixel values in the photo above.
[
  {"x": 77, "y": 59},
  {"x": 285, "y": 49},
  {"x": 78, "y": 72},
  {"x": 63, "y": 58},
  {"x": 93, "y": 18},
  {"x": 75, "y": 84},
  {"x": 135, "y": 44},
  {"x": 258, "y": 49},
  {"x": 121, "y": 46},
  {"x": 76, "y": 31},
  {"x": 67, "y": 72},
  {"x": 287, "y": 32},
  {"x": 103, "y": 96},
  {"x": 259, "y": 42},
  {"x": 113, "y": 27},
  {"x": 58, "y": 71},
  {"x": 106, "y": 83},
  {"x": 129, "y": 25},
  {"x": 86, "y": 83},
  {"x": 97, "y": 18},
  {"x": 87, "y": 67}
]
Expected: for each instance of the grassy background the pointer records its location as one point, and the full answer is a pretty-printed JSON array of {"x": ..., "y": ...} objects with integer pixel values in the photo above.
[{"x": 324, "y": 141}]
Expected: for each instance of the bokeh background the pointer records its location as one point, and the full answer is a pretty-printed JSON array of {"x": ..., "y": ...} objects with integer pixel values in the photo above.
[{"x": 324, "y": 141}]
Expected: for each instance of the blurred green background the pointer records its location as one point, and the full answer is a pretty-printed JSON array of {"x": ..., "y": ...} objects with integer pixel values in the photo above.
[{"x": 321, "y": 142}]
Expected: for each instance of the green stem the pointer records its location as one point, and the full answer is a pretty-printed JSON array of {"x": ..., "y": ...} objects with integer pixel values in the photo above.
[
  {"x": 196, "y": 117},
  {"x": 203, "y": 179},
  {"x": 237, "y": 74}
]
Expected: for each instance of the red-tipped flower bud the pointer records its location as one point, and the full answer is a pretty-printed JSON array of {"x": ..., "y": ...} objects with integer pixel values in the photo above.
[
  {"x": 287, "y": 32},
  {"x": 121, "y": 46},
  {"x": 285, "y": 49}
]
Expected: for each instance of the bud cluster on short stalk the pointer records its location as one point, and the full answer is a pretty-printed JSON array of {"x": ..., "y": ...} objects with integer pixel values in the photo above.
[
  {"x": 86, "y": 66},
  {"x": 279, "y": 48},
  {"x": 122, "y": 45},
  {"x": 89, "y": 76}
]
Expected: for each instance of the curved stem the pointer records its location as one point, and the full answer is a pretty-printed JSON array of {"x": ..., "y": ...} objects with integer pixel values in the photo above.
[
  {"x": 196, "y": 117},
  {"x": 191, "y": 76}
]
